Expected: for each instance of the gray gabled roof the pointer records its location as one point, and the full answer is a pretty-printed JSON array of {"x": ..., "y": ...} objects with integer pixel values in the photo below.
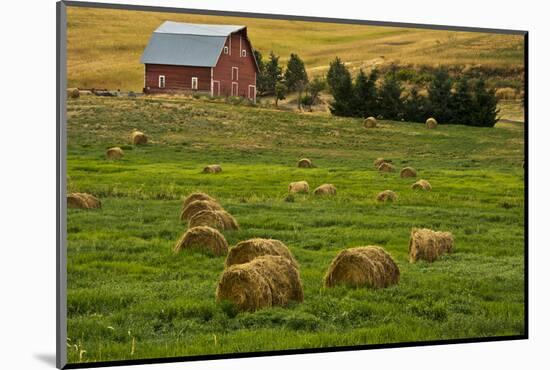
[{"x": 187, "y": 44}]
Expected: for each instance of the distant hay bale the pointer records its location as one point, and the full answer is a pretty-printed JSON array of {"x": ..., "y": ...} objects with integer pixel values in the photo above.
[
  {"x": 264, "y": 282},
  {"x": 506, "y": 93},
  {"x": 422, "y": 185},
  {"x": 379, "y": 161},
  {"x": 325, "y": 189},
  {"x": 197, "y": 196},
  {"x": 213, "y": 168},
  {"x": 305, "y": 163},
  {"x": 203, "y": 238},
  {"x": 386, "y": 167},
  {"x": 428, "y": 245},
  {"x": 196, "y": 206},
  {"x": 386, "y": 195},
  {"x": 229, "y": 222},
  {"x": 114, "y": 153},
  {"x": 207, "y": 218},
  {"x": 298, "y": 187},
  {"x": 247, "y": 250},
  {"x": 138, "y": 138},
  {"x": 431, "y": 123},
  {"x": 73, "y": 93},
  {"x": 82, "y": 201},
  {"x": 407, "y": 172},
  {"x": 370, "y": 122},
  {"x": 369, "y": 266}
]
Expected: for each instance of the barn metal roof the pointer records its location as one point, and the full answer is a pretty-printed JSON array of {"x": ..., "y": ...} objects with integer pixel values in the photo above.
[{"x": 187, "y": 44}]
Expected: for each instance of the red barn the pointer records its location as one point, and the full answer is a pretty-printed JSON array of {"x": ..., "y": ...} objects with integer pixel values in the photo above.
[{"x": 214, "y": 59}]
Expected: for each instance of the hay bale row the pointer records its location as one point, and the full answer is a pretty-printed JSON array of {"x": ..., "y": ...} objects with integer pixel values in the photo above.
[
  {"x": 431, "y": 123},
  {"x": 82, "y": 201},
  {"x": 213, "y": 168},
  {"x": 369, "y": 266},
  {"x": 219, "y": 219},
  {"x": 138, "y": 138},
  {"x": 407, "y": 172},
  {"x": 298, "y": 187},
  {"x": 197, "y": 206},
  {"x": 386, "y": 167},
  {"x": 263, "y": 282},
  {"x": 247, "y": 250},
  {"x": 386, "y": 195},
  {"x": 305, "y": 163},
  {"x": 325, "y": 189},
  {"x": 370, "y": 122},
  {"x": 114, "y": 153},
  {"x": 204, "y": 239},
  {"x": 422, "y": 185},
  {"x": 379, "y": 161},
  {"x": 428, "y": 245}
]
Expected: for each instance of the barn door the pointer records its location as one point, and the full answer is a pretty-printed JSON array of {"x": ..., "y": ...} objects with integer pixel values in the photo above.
[
  {"x": 234, "y": 89},
  {"x": 252, "y": 92},
  {"x": 216, "y": 88}
]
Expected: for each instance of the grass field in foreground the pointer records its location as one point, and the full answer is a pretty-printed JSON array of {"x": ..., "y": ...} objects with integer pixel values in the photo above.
[
  {"x": 130, "y": 297},
  {"x": 104, "y": 46}
]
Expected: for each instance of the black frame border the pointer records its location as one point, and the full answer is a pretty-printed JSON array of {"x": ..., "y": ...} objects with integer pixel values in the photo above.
[{"x": 61, "y": 210}]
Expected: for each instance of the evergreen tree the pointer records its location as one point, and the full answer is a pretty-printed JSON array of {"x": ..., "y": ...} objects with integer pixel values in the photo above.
[
  {"x": 461, "y": 103},
  {"x": 280, "y": 92},
  {"x": 341, "y": 87},
  {"x": 415, "y": 106},
  {"x": 336, "y": 74},
  {"x": 372, "y": 94},
  {"x": 389, "y": 98},
  {"x": 484, "y": 105},
  {"x": 273, "y": 73},
  {"x": 261, "y": 78},
  {"x": 361, "y": 95},
  {"x": 296, "y": 76},
  {"x": 439, "y": 94}
]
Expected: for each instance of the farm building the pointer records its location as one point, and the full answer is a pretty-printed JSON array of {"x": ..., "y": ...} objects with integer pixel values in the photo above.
[{"x": 202, "y": 58}]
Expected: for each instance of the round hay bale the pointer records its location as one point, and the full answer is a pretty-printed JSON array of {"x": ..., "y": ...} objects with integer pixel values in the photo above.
[
  {"x": 386, "y": 167},
  {"x": 138, "y": 138},
  {"x": 82, "y": 201},
  {"x": 207, "y": 218},
  {"x": 73, "y": 93},
  {"x": 229, "y": 222},
  {"x": 305, "y": 163},
  {"x": 247, "y": 250},
  {"x": 370, "y": 122},
  {"x": 379, "y": 161},
  {"x": 431, "y": 123},
  {"x": 386, "y": 195},
  {"x": 407, "y": 172},
  {"x": 213, "y": 168},
  {"x": 204, "y": 239},
  {"x": 298, "y": 187},
  {"x": 196, "y": 206},
  {"x": 325, "y": 189},
  {"x": 264, "y": 282},
  {"x": 369, "y": 266},
  {"x": 198, "y": 196},
  {"x": 422, "y": 185},
  {"x": 428, "y": 245},
  {"x": 114, "y": 153}
]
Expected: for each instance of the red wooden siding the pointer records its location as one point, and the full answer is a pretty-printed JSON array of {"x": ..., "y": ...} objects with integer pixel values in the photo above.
[
  {"x": 178, "y": 78},
  {"x": 246, "y": 65}
]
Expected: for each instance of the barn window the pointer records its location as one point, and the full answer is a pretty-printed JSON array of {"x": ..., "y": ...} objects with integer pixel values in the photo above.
[
  {"x": 194, "y": 83},
  {"x": 234, "y": 73},
  {"x": 243, "y": 53},
  {"x": 162, "y": 81},
  {"x": 225, "y": 50}
]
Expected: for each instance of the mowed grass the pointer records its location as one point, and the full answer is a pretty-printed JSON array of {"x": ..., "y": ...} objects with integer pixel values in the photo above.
[
  {"x": 104, "y": 46},
  {"x": 130, "y": 297}
]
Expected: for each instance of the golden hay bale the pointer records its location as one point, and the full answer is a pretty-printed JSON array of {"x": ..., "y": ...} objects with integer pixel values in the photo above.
[
  {"x": 264, "y": 282},
  {"x": 422, "y": 185},
  {"x": 298, "y": 187},
  {"x": 197, "y": 196},
  {"x": 386, "y": 167},
  {"x": 407, "y": 172},
  {"x": 213, "y": 168},
  {"x": 325, "y": 189},
  {"x": 203, "y": 238},
  {"x": 305, "y": 163},
  {"x": 379, "y": 161},
  {"x": 369, "y": 266},
  {"x": 82, "y": 201},
  {"x": 386, "y": 195},
  {"x": 114, "y": 153},
  {"x": 218, "y": 219},
  {"x": 247, "y": 250},
  {"x": 370, "y": 122},
  {"x": 73, "y": 93},
  {"x": 138, "y": 138},
  {"x": 428, "y": 245},
  {"x": 196, "y": 206},
  {"x": 431, "y": 123}
]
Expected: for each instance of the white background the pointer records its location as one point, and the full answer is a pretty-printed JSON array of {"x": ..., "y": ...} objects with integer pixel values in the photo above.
[{"x": 27, "y": 182}]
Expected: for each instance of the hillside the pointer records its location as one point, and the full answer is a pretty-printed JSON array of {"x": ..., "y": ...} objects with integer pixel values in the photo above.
[{"x": 104, "y": 46}]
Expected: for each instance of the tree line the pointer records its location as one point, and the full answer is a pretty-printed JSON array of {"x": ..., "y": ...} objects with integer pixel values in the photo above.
[{"x": 458, "y": 100}]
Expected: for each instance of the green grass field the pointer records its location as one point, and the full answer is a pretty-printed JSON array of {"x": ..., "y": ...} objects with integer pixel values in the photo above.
[
  {"x": 130, "y": 297},
  {"x": 105, "y": 46}
]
